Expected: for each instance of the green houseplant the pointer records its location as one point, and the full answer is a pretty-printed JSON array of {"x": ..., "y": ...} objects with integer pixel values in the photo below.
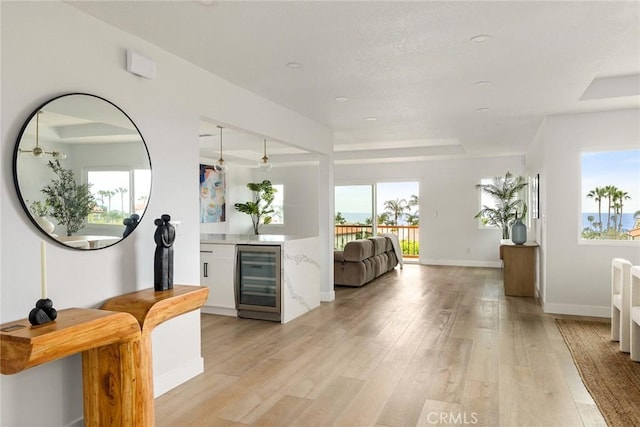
[
  {"x": 259, "y": 209},
  {"x": 69, "y": 203},
  {"x": 504, "y": 191}
]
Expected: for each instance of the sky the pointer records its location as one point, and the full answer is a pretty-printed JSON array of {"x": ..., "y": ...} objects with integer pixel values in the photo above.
[
  {"x": 619, "y": 168},
  {"x": 357, "y": 198}
]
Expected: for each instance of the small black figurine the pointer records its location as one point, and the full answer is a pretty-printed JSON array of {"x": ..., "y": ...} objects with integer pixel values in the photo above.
[
  {"x": 130, "y": 224},
  {"x": 163, "y": 261},
  {"x": 43, "y": 313}
]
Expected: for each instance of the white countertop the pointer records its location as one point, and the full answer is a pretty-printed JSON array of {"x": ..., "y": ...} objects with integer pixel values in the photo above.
[{"x": 249, "y": 239}]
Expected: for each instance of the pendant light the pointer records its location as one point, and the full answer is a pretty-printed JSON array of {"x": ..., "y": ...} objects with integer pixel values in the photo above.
[
  {"x": 264, "y": 164},
  {"x": 221, "y": 166},
  {"x": 38, "y": 151}
]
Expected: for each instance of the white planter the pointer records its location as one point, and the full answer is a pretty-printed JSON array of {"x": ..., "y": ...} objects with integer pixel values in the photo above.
[{"x": 45, "y": 224}]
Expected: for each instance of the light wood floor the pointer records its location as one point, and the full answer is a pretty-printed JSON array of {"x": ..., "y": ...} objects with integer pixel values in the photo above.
[{"x": 419, "y": 346}]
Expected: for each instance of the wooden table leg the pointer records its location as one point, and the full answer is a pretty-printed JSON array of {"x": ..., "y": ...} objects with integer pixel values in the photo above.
[
  {"x": 145, "y": 405},
  {"x": 109, "y": 383}
]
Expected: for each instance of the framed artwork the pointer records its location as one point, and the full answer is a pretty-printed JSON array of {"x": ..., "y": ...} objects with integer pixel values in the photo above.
[
  {"x": 212, "y": 194},
  {"x": 535, "y": 196}
]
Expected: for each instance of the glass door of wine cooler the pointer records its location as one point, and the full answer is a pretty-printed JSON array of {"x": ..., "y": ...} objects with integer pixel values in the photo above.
[{"x": 258, "y": 282}]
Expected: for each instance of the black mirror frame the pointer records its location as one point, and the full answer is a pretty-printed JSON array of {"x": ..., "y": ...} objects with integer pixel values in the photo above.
[{"x": 15, "y": 169}]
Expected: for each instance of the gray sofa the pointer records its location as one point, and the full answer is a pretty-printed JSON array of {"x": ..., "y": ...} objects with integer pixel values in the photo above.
[{"x": 363, "y": 260}]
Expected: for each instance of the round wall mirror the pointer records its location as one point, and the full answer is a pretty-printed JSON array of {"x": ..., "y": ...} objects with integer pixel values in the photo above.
[{"x": 82, "y": 171}]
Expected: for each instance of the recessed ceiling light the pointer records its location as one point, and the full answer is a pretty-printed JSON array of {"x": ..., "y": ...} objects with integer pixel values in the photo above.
[
  {"x": 341, "y": 98},
  {"x": 482, "y": 83},
  {"x": 371, "y": 119},
  {"x": 294, "y": 65},
  {"x": 481, "y": 38},
  {"x": 483, "y": 109}
]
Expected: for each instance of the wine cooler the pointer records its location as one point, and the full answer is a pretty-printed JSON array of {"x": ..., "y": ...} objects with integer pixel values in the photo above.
[{"x": 257, "y": 286}]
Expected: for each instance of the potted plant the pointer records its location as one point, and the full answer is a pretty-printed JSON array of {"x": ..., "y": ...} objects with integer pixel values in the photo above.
[
  {"x": 259, "y": 209},
  {"x": 69, "y": 203},
  {"x": 504, "y": 190},
  {"x": 40, "y": 210}
]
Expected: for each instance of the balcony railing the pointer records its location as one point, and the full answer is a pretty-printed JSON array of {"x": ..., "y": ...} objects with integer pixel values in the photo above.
[{"x": 407, "y": 235}]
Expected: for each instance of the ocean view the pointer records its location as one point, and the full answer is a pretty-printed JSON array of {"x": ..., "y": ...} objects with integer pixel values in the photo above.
[{"x": 627, "y": 218}]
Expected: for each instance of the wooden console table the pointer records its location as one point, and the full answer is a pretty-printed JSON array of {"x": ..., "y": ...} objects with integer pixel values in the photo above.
[
  {"x": 519, "y": 274},
  {"x": 150, "y": 309},
  {"x": 115, "y": 342},
  {"x": 104, "y": 336}
]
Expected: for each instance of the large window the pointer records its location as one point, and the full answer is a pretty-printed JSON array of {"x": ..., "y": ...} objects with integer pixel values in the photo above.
[
  {"x": 118, "y": 194},
  {"x": 394, "y": 205},
  {"x": 610, "y": 195}
]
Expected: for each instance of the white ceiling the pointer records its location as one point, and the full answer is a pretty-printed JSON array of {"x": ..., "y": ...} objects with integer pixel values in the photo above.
[{"x": 412, "y": 65}]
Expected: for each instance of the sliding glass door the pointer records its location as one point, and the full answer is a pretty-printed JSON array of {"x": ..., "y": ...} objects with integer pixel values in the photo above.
[
  {"x": 393, "y": 205},
  {"x": 354, "y": 213}
]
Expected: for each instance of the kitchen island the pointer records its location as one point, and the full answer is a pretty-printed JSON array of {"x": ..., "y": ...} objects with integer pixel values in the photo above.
[{"x": 299, "y": 287}]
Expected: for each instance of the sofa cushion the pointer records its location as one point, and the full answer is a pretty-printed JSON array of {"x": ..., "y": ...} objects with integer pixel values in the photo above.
[
  {"x": 379, "y": 244},
  {"x": 358, "y": 250}
]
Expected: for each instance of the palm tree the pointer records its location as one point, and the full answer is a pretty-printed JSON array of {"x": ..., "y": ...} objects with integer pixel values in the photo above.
[
  {"x": 610, "y": 193},
  {"x": 636, "y": 216},
  {"x": 384, "y": 219},
  {"x": 413, "y": 218},
  {"x": 397, "y": 208},
  {"x": 598, "y": 194},
  {"x": 619, "y": 198},
  {"x": 340, "y": 219},
  {"x": 109, "y": 194},
  {"x": 121, "y": 191}
]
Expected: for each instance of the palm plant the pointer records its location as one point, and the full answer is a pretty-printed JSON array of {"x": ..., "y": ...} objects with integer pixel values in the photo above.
[
  {"x": 259, "y": 209},
  {"x": 504, "y": 192}
]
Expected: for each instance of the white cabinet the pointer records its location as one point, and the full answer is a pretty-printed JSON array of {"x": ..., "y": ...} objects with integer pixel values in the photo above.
[{"x": 217, "y": 266}]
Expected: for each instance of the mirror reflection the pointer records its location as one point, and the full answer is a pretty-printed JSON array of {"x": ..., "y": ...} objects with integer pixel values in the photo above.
[{"x": 82, "y": 171}]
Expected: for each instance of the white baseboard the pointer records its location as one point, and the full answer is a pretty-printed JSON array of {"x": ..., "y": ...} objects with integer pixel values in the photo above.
[
  {"x": 462, "y": 263},
  {"x": 328, "y": 296},
  {"x": 77, "y": 423},
  {"x": 177, "y": 376},
  {"x": 219, "y": 310},
  {"x": 577, "y": 310}
]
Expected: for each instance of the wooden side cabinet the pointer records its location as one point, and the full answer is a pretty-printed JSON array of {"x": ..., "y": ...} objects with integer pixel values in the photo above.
[{"x": 519, "y": 273}]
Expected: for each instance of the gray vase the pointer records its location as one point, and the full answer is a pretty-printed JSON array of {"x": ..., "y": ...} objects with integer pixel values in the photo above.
[{"x": 518, "y": 232}]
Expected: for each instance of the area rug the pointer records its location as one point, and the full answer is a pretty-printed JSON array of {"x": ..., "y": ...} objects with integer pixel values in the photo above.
[{"x": 610, "y": 376}]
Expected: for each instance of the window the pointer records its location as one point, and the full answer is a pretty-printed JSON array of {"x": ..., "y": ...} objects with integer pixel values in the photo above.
[
  {"x": 610, "y": 195},
  {"x": 118, "y": 194},
  {"x": 353, "y": 213},
  {"x": 277, "y": 217},
  {"x": 394, "y": 205}
]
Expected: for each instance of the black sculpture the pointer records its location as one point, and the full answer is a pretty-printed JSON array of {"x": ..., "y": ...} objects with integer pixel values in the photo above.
[
  {"x": 163, "y": 261},
  {"x": 43, "y": 313},
  {"x": 130, "y": 224}
]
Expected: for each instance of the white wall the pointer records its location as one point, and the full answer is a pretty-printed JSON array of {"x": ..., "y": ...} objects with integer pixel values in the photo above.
[
  {"x": 536, "y": 166},
  {"x": 300, "y": 199},
  {"x": 50, "y": 48},
  {"x": 577, "y": 274},
  {"x": 301, "y": 186},
  {"x": 449, "y": 234}
]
